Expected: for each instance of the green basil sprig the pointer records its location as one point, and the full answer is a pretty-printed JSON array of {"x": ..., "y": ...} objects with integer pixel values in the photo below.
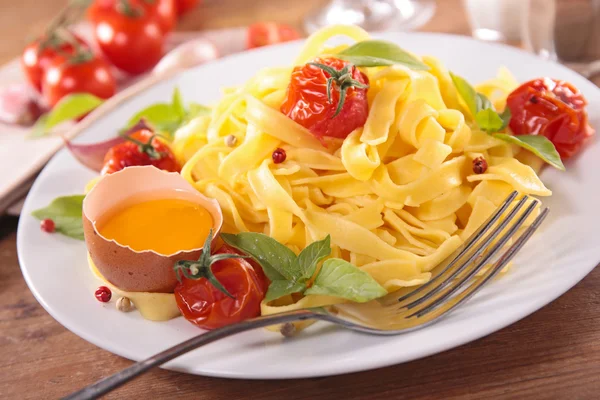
[
  {"x": 375, "y": 53},
  {"x": 66, "y": 212},
  {"x": 168, "y": 117},
  {"x": 291, "y": 274},
  {"x": 490, "y": 121}
]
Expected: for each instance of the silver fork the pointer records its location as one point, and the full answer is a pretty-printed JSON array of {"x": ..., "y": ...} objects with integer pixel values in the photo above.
[{"x": 461, "y": 275}]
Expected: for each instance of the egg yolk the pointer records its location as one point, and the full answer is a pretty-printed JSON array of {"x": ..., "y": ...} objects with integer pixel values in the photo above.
[{"x": 165, "y": 226}]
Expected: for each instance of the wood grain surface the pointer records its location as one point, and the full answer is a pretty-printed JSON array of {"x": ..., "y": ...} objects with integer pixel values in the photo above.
[{"x": 552, "y": 354}]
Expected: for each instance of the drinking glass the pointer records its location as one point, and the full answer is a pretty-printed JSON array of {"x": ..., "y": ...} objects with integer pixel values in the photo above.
[
  {"x": 373, "y": 15},
  {"x": 567, "y": 31},
  {"x": 495, "y": 20}
]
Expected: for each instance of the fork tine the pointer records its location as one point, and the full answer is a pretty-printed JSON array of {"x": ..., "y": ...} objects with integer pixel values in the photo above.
[
  {"x": 461, "y": 251},
  {"x": 456, "y": 301},
  {"x": 470, "y": 260},
  {"x": 451, "y": 290}
]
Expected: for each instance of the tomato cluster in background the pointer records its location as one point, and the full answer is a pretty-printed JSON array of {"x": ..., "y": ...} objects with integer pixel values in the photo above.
[
  {"x": 126, "y": 38},
  {"x": 130, "y": 35}
]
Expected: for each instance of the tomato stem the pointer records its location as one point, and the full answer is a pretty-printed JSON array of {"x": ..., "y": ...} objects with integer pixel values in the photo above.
[
  {"x": 203, "y": 267},
  {"x": 81, "y": 53},
  {"x": 343, "y": 81},
  {"x": 66, "y": 16},
  {"x": 124, "y": 7},
  {"x": 145, "y": 147}
]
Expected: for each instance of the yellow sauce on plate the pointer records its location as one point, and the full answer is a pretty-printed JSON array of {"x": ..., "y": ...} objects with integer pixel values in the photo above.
[{"x": 152, "y": 306}]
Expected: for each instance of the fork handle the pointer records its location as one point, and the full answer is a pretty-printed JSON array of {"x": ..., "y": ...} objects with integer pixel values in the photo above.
[{"x": 112, "y": 382}]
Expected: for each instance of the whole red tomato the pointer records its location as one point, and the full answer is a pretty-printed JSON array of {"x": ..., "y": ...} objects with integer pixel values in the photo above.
[
  {"x": 99, "y": 7},
  {"x": 141, "y": 148},
  {"x": 164, "y": 12},
  {"x": 266, "y": 33},
  {"x": 35, "y": 61},
  {"x": 80, "y": 74},
  {"x": 184, "y": 6},
  {"x": 207, "y": 307},
  {"x": 307, "y": 102},
  {"x": 552, "y": 108},
  {"x": 132, "y": 43}
]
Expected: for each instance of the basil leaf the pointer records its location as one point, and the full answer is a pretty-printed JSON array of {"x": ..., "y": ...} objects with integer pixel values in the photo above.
[
  {"x": 373, "y": 53},
  {"x": 70, "y": 107},
  {"x": 275, "y": 258},
  {"x": 538, "y": 145},
  {"x": 506, "y": 116},
  {"x": 339, "y": 278},
  {"x": 280, "y": 288},
  {"x": 157, "y": 115},
  {"x": 197, "y": 110},
  {"x": 311, "y": 255},
  {"x": 467, "y": 93},
  {"x": 39, "y": 128},
  {"x": 481, "y": 108},
  {"x": 167, "y": 126},
  {"x": 489, "y": 120},
  {"x": 66, "y": 212},
  {"x": 177, "y": 104}
]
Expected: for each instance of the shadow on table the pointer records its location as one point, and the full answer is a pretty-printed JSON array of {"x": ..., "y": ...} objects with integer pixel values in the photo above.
[{"x": 8, "y": 225}]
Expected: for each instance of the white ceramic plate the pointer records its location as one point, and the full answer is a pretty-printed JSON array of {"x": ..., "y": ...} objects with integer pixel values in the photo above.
[{"x": 565, "y": 250}]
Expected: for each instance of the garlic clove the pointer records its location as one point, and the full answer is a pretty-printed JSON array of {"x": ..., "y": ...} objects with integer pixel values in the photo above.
[{"x": 18, "y": 105}]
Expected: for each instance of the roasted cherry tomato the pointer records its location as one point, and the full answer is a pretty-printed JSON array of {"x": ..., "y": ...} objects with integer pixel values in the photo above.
[
  {"x": 552, "y": 108},
  {"x": 266, "y": 33},
  {"x": 133, "y": 42},
  {"x": 141, "y": 148},
  {"x": 35, "y": 62},
  {"x": 307, "y": 102},
  {"x": 207, "y": 307},
  {"x": 80, "y": 74},
  {"x": 185, "y": 6}
]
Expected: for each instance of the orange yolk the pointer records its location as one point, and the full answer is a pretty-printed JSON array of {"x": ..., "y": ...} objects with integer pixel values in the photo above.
[{"x": 165, "y": 226}]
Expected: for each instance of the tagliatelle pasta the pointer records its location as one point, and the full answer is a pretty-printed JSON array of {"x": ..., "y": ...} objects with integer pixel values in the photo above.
[{"x": 397, "y": 196}]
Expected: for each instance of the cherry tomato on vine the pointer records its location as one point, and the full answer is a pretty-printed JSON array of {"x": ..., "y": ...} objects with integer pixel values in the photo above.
[
  {"x": 552, "y": 108},
  {"x": 185, "y": 6},
  {"x": 308, "y": 104},
  {"x": 206, "y": 306},
  {"x": 164, "y": 12},
  {"x": 98, "y": 7},
  {"x": 132, "y": 42},
  {"x": 79, "y": 74},
  {"x": 267, "y": 33},
  {"x": 35, "y": 61},
  {"x": 141, "y": 148}
]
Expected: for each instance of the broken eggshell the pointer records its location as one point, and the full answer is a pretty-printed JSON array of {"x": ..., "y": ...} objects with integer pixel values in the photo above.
[{"x": 127, "y": 269}]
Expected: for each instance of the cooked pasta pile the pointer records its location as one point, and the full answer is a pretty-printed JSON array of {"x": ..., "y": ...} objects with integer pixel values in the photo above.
[{"x": 397, "y": 196}]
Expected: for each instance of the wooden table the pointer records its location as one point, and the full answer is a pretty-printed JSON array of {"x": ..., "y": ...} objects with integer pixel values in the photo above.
[{"x": 554, "y": 353}]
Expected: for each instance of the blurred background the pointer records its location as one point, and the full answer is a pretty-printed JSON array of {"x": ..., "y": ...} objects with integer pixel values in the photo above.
[
  {"x": 503, "y": 20},
  {"x": 25, "y": 19}
]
